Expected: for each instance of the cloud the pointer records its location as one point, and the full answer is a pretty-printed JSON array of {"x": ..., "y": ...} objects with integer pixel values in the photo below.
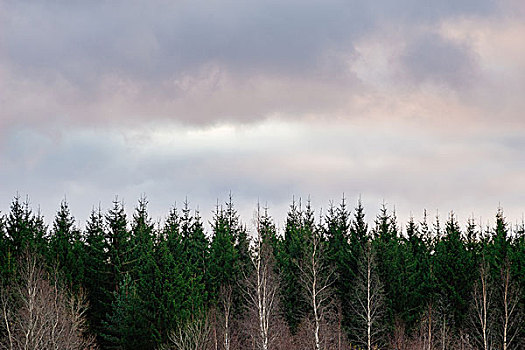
[
  {"x": 418, "y": 103},
  {"x": 201, "y": 62},
  {"x": 431, "y": 58},
  {"x": 271, "y": 162}
]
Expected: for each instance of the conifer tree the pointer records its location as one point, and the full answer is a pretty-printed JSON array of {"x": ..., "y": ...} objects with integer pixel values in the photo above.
[
  {"x": 170, "y": 263},
  {"x": 4, "y": 252},
  {"x": 24, "y": 233},
  {"x": 389, "y": 262},
  {"x": 19, "y": 230},
  {"x": 240, "y": 234},
  {"x": 146, "y": 278},
  {"x": 499, "y": 245},
  {"x": 518, "y": 270},
  {"x": 66, "y": 247},
  {"x": 117, "y": 243},
  {"x": 454, "y": 271},
  {"x": 291, "y": 254},
  {"x": 415, "y": 269},
  {"x": 120, "y": 321},
  {"x": 223, "y": 255},
  {"x": 196, "y": 250},
  {"x": 472, "y": 240},
  {"x": 340, "y": 254},
  {"x": 358, "y": 236},
  {"x": 183, "y": 255},
  {"x": 40, "y": 234},
  {"x": 97, "y": 272},
  {"x": 121, "y": 330},
  {"x": 228, "y": 264}
]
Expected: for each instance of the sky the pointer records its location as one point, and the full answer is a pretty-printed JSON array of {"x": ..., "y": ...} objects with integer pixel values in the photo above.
[{"x": 416, "y": 104}]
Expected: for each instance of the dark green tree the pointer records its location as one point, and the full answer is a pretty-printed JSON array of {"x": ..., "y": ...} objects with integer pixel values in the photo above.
[
  {"x": 416, "y": 269},
  {"x": 4, "y": 253},
  {"x": 196, "y": 250},
  {"x": 97, "y": 273},
  {"x": 291, "y": 253},
  {"x": 339, "y": 254},
  {"x": 146, "y": 276},
  {"x": 223, "y": 267},
  {"x": 228, "y": 265},
  {"x": 19, "y": 230},
  {"x": 499, "y": 245},
  {"x": 454, "y": 271},
  {"x": 117, "y": 243},
  {"x": 121, "y": 330},
  {"x": 169, "y": 255},
  {"x": 390, "y": 259},
  {"x": 358, "y": 235},
  {"x": 66, "y": 248}
]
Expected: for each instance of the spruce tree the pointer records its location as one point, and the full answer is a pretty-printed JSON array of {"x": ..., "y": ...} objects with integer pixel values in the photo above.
[
  {"x": 169, "y": 252},
  {"x": 454, "y": 271},
  {"x": 518, "y": 269},
  {"x": 291, "y": 254},
  {"x": 146, "y": 277},
  {"x": 339, "y": 254},
  {"x": 228, "y": 264},
  {"x": 97, "y": 272},
  {"x": 40, "y": 234},
  {"x": 499, "y": 245},
  {"x": 65, "y": 248},
  {"x": 121, "y": 330},
  {"x": 390, "y": 262},
  {"x": 358, "y": 236},
  {"x": 416, "y": 268},
  {"x": 4, "y": 253},
  {"x": 24, "y": 233},
  {"x": 223, "y": 255},
  {"x": 196, "y": 250},
  {"x": 19, "y": 230},
  {"x": 119, "y": 324},
  {"x": 117, "y": 243}
]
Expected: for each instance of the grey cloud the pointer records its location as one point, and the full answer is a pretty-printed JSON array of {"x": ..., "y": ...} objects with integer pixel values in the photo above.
[
  {"x": 163, "y": 39},
  {"x": 414, "y": 11},
  {"x": 155, "y": 41},
  {"x": 201, "y": 62},
  {"x": 430, "y": 58}
]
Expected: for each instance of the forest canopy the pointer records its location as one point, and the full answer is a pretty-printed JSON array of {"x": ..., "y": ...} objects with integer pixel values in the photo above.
[{"x": 328, "y": 280}]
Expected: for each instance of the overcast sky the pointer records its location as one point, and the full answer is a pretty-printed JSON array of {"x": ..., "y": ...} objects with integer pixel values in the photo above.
[{"x": 419, "y": 104}]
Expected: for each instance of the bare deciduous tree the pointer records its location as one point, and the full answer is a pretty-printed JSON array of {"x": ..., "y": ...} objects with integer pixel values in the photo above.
[
  {"x": 317, "y": 279},
  {"x": 444, "y": 325},
  {"x": 264, "y": 322},
  {"x": 399, "y": 339},
  {"x": 482, "y": 319},
  {"x": 194, "y": 335},
  {"x": 427, "y": 327},
  {"x": 368, "y": 304},
  {"x": 224, "y": 326},
  {"x": 511, "y": 314},
  {"x": 425, "y": 338},
  {"x": 39, "y": 314}
]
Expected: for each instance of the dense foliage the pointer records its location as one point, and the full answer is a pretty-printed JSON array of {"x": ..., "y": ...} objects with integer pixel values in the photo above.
[{"x": 429, "y": 284}]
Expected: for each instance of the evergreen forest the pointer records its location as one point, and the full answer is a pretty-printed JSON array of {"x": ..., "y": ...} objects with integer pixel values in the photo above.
[{"x": 328, "y": 280}]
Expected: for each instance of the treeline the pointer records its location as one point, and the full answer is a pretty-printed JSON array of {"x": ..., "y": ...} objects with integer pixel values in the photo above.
[{"x": 328, "y": 281}]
